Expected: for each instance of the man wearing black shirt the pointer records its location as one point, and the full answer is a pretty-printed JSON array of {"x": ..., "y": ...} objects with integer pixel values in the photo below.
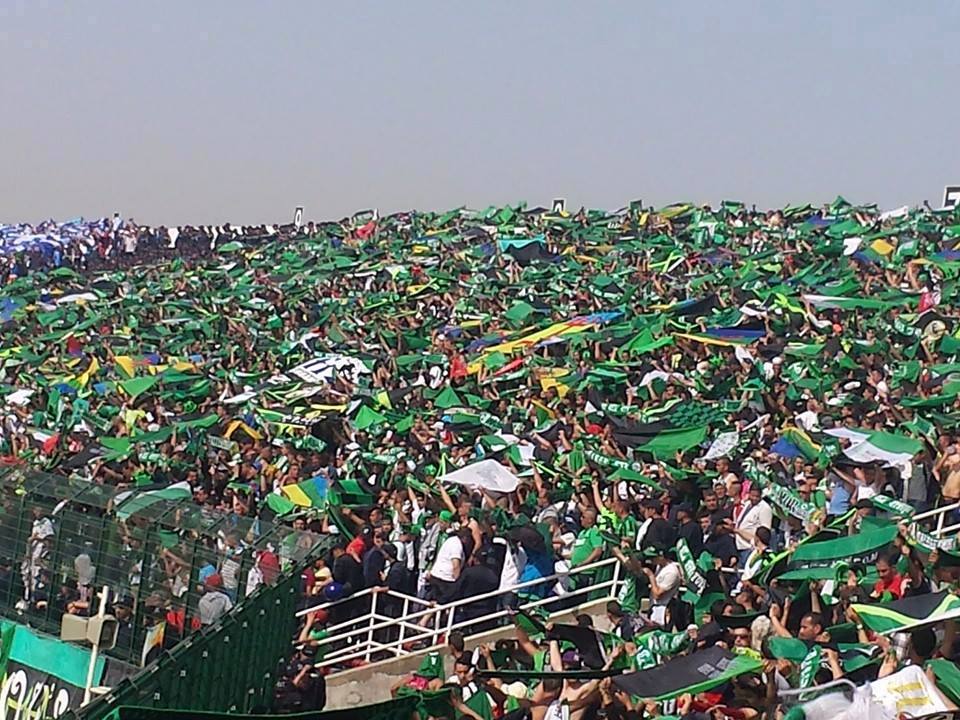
[
  {"x": 711, "y": 503},
  {"x": 122, "y": 610},
  {"x": 479, "y": 578},
  {"x": 347, "y": 570},
  {"x": 721, "y": 544},
  {"x": 690, "y": 530},
  {"x": 302, "y": 688},
  {"x": 655, "y": 531},
  {"x": 374, "y": 562}
]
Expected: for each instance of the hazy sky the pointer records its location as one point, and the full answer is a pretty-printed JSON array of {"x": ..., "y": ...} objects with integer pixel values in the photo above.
[{"x": 206, "y": 111}]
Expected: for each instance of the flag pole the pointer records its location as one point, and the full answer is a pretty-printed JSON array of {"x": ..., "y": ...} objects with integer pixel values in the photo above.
[{"x": 101, "y": 613}]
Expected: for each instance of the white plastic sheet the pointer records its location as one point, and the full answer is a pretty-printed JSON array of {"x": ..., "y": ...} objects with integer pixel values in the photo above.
[{"x": 487, "y": 474}]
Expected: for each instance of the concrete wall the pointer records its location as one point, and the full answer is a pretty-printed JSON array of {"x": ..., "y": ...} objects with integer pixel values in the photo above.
[{"x": 372, "y": 683}]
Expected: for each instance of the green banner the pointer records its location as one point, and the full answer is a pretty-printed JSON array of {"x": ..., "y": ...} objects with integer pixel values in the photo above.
[
  {"x": 688, "y": 566},
  {"x": 51, "y": 655},
  {"x": 43, "y": 677},
  {"x": 789, "y": 502}
]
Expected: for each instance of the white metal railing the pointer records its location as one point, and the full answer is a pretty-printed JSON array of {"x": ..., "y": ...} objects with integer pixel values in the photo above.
[
  {"x": 432, "y": 621},
  {"x": 940, "y": 513},
  {"x": 437, "y": 621}
]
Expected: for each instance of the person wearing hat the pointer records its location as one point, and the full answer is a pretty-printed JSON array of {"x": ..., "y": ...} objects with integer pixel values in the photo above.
[
  {"x": 308, "y": 686},
  {"x": 214, "y": 603},
  {"x": 322, "y": 576},
  {"x": 123, "y": 612}
]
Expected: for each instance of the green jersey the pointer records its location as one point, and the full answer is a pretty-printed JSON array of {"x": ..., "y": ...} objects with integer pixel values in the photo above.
[{"x": 587, "y": 541}]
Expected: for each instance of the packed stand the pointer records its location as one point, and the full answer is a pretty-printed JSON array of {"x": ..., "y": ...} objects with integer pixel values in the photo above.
[{"x": 745, "y": 410}]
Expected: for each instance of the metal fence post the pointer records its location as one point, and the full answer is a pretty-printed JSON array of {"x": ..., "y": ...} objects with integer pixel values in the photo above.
[
  {"x": 614, "y": 590},
  {"x": 446, "y": 635},
  {"x": 437, "y": 614},
  {"x": 398, "y": 651},
  {"x": 373, "y": 620}
]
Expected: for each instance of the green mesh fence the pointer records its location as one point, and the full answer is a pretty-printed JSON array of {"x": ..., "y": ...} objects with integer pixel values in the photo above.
[
  {"x": 399, "y": 709},
  {"x": 150, "y": 552},
  {"x": 230, "y": 667}
]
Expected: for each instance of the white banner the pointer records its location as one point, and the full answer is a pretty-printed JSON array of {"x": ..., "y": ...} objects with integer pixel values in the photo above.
[
  {"x": 487, "y": 474},
  {"x": 909, "y": 692}
]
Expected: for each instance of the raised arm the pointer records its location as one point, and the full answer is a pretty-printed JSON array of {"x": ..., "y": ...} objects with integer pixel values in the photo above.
[{"x": 445, "y": 497}]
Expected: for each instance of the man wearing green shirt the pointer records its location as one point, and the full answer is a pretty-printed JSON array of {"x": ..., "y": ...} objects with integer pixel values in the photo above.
[
  {"x": 587, "y": 548},
  {"x": 620, "y": 521}
]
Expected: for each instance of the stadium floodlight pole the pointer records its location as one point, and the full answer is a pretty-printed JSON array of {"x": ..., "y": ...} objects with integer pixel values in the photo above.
[{"x": 101, "y": 613}]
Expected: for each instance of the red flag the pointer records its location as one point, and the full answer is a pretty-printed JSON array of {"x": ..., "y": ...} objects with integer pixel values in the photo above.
[{"x": 367, "y": 230}]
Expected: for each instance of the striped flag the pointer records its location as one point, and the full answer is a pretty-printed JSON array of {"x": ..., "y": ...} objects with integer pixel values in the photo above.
[
  {"x": 910, "y": 612},
  {"x": 309, "y": 493}
]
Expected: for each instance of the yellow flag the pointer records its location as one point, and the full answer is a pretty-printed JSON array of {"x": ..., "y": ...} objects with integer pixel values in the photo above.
[
  {"x": 882, "y": 247},
  {"x": 241, "y": 425},
  {"x": 551, "y": 382},
  {"x": 85, "y": 376},
  {"x": 125, "y": 363}
]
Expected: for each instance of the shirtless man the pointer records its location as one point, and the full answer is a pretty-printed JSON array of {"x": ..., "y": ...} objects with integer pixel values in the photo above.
[
  {"x": 947, "y": 471},
  {"x": 577, "y": 695}
]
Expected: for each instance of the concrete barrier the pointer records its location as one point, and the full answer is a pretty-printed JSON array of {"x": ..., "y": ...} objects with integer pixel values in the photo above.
[{"x": 371, "y": 683}]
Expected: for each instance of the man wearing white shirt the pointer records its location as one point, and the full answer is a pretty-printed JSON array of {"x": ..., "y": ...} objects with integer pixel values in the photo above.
[
  {"x": 664, "y": 583},
  {"x": 757, "y": 513},
  {"x": 446, "y": 568},
  {"x": 514, "y": 562}
]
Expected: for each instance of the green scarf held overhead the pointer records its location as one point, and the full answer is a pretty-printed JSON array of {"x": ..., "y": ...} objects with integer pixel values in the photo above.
[
  {"x": 788, "y": 502},
  {"x": 893, "y": 507}
]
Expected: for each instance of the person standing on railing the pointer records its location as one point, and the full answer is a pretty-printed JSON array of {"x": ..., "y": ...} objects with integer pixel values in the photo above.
[{"x": 41, "y": 537}]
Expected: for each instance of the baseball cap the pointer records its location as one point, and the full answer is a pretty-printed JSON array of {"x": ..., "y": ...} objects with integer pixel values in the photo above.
[
  {"x": 571, "y": 660},
  {"x": 213, "y": 580},
  {"x": 515, "y": 690},
  {"x": 333, "y": 591}
]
